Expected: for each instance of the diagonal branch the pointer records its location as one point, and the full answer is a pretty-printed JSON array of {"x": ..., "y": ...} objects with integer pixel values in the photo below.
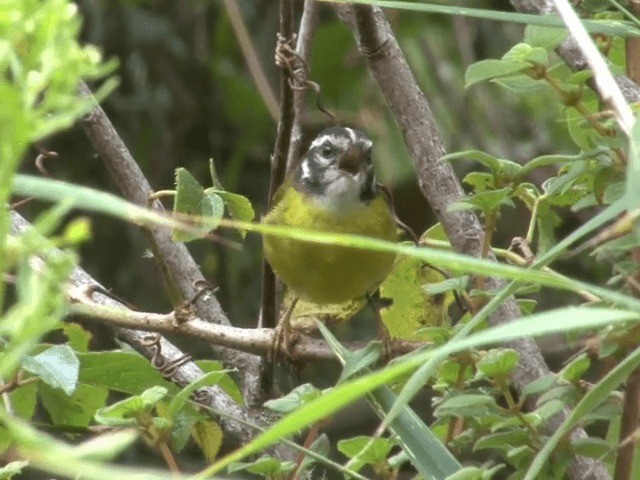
[
  {"x": 439, "y": 183},
  {"x": 178, "y": 268}
]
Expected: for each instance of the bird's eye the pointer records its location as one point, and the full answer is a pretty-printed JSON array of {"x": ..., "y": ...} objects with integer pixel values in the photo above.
[{"x": 327, "y": 150}]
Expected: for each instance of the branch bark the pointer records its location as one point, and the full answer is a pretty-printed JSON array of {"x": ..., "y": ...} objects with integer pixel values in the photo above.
[
  {"x": 178, "y": 268},
  {"x": 440, "y": 185}
]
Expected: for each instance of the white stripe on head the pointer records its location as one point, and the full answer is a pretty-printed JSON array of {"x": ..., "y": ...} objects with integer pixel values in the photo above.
[
  {"x": 306, "y": 172},
  {"x": 320, "y": 140},
  {"x": 352, "y": 134}
]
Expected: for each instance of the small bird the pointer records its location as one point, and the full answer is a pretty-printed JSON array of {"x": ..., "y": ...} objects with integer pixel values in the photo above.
[{"x": 333, "y": 189}]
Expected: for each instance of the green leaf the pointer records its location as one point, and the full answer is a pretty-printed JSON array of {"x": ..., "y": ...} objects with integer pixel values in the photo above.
[
  {"x": 75, "y": 410},
  {"x": 124, "y": 412},
  {"x": 209, "y": 436},
  {"x": 226, "y": 382},
  {"x": 78, "y": 337},
  {"x": 412, "y": 308},
  {"x": 498, "y": 363},
  {"x": 575, "y": 369},
  {"x": 523, "y": 53},
  {"x": 208, "y": 379},
  {"x": 124, "y": 372},
  {"x": 487, "y": 201},
  {"x": 479, "y": 156},
  {"x": 365, "y": 450},
  {"x": 490, "y": 69},
  {"x": 206, "y": 208},
  {"x": 239, "y": 206},
  {"x": 57, "y": 366},
  {"x": 294, "y": 399},
  {"x": 544, "y": 37},
  {"x": 472, "y": 404},
  {"x": 23, "y": 399},
  {"x": 591, "y": 447},
  {"x": 632, "y": 190}
]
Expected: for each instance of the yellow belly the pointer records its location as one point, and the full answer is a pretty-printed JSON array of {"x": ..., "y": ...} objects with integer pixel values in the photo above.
[{"x": 327, "y": 273}]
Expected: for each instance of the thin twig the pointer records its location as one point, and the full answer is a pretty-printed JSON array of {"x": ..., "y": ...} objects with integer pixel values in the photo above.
[
  {"x": 279, "y": 159},
  {"x": 628, "y": 425},
  {"x": 250, "y": 56},
  {"x": 306, "y": 33}
]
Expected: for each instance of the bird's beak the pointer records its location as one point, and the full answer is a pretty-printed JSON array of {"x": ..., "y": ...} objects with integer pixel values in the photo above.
[{"x": 351, "y": 160}]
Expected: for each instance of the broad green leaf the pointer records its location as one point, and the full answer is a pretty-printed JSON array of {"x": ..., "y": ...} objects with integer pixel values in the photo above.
[
  {"x": 527, "y": 54},
  {"x": 498, "y": 362},
  {"x": 57, "y": 366},
  {"x": 23, "y": 400},
  {"x": 75, "y": 410},
  {"x": 226, "y": 382},
  {"x": 78, "y": 337},
  {"x": 208, "y": 379},
  {"x": 292, "y": 401},
  {"x": 544, "y": 37},
  {"x": 412, "y": 308},
  {"x": 490, "y": 69},
  {"x": 208, "y": 435},
  {"x": 365, "y": 450},
  {"x": 124, "y": 412},
  {"x": 472, "y": 404},
  {"x": 120, "y": 371}
]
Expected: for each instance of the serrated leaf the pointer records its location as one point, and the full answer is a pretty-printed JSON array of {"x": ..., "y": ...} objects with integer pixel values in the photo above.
[
  {"x": 208, "y": 435},
  {"x": 206, "y": 207},
  {"x": 412, "y": 308},
  {"x": 57, "y": 366}
]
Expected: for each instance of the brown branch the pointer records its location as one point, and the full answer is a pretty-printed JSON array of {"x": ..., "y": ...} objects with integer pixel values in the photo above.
[
  {"x": 440, "y": 185},
  {"x": 279, "y": 159},
  {"x": 306, "y": 33},
  {"x": 178, "y": 268},
  {"x": 628, "y": 426},
  {"x": 258, "y": 341}
]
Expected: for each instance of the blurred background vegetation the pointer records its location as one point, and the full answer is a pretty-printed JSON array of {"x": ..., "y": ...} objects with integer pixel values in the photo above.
[{"x": 186, "y": 95}]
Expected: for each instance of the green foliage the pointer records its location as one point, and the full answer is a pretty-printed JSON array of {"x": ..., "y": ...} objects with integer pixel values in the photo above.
[{"x": 585, "y": 164}]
